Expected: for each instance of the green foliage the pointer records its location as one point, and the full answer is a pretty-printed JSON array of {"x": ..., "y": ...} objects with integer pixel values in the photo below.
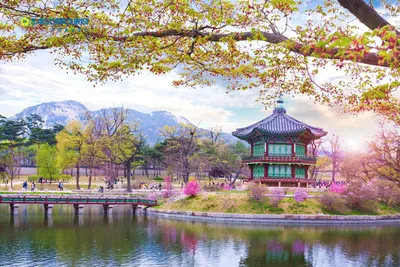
[
  {"x": 33, "y": 178},
  {"x": 159, "y": 179},
  {"x": 65, "y": 177},
  {"x": 46, "y": 161}
]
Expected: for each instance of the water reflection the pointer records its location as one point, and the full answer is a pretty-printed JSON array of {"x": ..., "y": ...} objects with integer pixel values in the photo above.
[{"x": 125, "y": 239}]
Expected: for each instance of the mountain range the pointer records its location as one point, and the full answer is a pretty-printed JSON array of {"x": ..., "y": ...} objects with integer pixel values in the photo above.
[{"x": 65, "y": 111}]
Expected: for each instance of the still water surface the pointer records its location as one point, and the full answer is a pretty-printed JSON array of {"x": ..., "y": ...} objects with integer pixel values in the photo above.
[{"x": 123, "y": 239}]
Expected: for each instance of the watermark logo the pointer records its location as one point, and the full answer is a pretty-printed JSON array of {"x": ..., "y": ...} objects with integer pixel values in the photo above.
[
  {"x": 25, "y": 22},
  {"x": 60, "y": 24}
]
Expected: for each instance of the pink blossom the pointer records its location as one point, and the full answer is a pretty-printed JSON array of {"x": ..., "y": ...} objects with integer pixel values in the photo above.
[
  {"x": 301, "y": 195},
  {"x": 192, "y": 188}
]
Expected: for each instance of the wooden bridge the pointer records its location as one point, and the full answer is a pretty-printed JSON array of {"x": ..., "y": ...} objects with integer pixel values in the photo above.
[{"x": 78, "y": 202}]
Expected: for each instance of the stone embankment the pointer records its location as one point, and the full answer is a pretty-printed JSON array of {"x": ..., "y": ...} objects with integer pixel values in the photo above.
[{"x": 276, "y": 218}]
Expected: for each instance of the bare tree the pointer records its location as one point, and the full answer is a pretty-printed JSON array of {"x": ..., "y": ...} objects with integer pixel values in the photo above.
[
  {"x": 384, "y": 154},
  {"x": 182, "y": 141},
  {"x": 314, "y": 149},
  {"x": 335, "y": 153}
]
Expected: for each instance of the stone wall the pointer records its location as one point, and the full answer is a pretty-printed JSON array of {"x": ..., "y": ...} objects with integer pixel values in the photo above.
[{"x": 276, "y": 218}]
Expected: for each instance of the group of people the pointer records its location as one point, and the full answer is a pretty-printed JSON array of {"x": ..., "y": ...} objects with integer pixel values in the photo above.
[
  {"x": 33, "y": 185},
  {"x": 144, "y": 185},
  {"x": 328, "y": 184},
  {"x": 25, "y": 186}
]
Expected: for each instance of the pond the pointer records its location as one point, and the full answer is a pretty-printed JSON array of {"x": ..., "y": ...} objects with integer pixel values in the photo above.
[{"x": 123, "y": 239}]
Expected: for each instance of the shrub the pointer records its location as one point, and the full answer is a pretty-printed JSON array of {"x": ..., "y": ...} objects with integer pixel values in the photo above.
[
  {"x": 158, "y": 179},
  {"x": 387, "y": 192},
  {"x": 395, "y": 197},
  {"x": 192, "y": 188},
  {"x": 212, "y": 188},
  {"x": 33, "y": 178},
  {"x": 65, "y": 177},
  {"x": 359, "y": 194},
  {"x": 337, "y": 188},
  {"x": 332, "y": 201},
  {"x": 278, "y": 194},
  {"x": 169, "y": 191},
  {"x": 301, "y": 195},
  {"x": 257, "y": 191}
]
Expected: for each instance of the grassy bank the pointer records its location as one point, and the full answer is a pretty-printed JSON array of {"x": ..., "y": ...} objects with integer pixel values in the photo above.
[{"x": 240, "y": 203}]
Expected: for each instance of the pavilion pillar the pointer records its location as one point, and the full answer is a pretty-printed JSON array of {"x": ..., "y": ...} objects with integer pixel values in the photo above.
[
  {"x": 293, "y": 171},
  {"x": 48, "y": 209},
  {"x": 266, "y": 149},
  {"x": 306, "y": 171},
  {"x": 251, "y": 171},
  {"x": 265, "y": 170},
  {"x": 14, "y": 209},
  {"x": 294, "y": 149},
  {"x": 305, "y": 149},
  {"x": 107, "y": 208},
  {"x": 78, "y": 208},
  {"x": 251, "y": 149}
]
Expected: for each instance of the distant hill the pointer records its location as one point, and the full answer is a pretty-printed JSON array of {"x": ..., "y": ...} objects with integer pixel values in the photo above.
[{"x": 66, "y": 111}]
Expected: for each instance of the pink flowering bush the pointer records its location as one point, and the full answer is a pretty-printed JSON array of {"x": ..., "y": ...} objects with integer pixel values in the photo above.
[
  {"x": 257, "y": 191},
  {"x": 169, "y": 190},
  {"x": 278, "y": 194},
  {"x": 387, "y": 192},
  {"x": 337, "y": 188},
  {"x": 360, "y": 195},
  {"x": 301, "y": 195},
  {"x": 333, "y": 202},
  {"x": 192, "y": 188}
]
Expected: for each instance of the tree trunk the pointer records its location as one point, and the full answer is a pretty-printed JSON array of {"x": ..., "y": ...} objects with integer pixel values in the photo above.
[
  {"x": 77, "y": 177},
  {"x": 333, "y": 172},
  {"x": 128, "y": 178},
  {"x": 236, "y": 175},
  {"x": 90, "y": 178}
]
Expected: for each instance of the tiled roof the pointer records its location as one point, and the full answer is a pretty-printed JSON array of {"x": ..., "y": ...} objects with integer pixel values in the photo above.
[{"x": 278, "y": 123}]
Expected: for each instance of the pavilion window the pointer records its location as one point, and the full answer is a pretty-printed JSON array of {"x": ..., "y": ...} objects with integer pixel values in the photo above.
[
  {"x": 259, "y": 149},
  {"x": 279, "y": 150},
  {"x": 279, "y": 171},
  {"x": 300, "y": 150},
  {"x": 258, "y": 171},
  {"x": 300, "y": 172}
]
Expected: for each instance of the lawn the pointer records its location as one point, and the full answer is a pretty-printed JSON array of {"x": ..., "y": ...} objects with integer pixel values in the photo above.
[{"x": 240, "y": 203}]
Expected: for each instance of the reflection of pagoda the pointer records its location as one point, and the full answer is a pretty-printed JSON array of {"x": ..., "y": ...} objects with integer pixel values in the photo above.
[{"x": 279, "y": 149}]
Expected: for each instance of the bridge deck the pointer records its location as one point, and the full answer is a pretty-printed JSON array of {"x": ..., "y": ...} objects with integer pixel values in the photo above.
[{"x": 76, "y": 200}]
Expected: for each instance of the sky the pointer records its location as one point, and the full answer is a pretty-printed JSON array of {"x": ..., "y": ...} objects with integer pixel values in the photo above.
[{"x": 37, "y": 80}]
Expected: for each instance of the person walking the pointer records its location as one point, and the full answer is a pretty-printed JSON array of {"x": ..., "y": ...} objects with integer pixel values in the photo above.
[
  {"x": 25, "y": 185},
  {"x": 33, "y": 186}
]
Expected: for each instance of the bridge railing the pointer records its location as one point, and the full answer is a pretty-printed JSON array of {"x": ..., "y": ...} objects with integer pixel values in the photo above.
[{"x": 9, "y": 199}]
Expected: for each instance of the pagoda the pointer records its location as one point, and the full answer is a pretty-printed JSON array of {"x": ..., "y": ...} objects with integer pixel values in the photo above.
[{"x": 279, "y": 154}]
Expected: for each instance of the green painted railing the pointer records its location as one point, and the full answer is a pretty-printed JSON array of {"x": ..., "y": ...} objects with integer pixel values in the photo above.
[{"x": 76, "y": 200}]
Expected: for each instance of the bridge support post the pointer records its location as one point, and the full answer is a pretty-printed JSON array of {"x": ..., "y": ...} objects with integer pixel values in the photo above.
[
  {"x": 134, "y": 209},
  {"x": 48, "y": 209},
  {"x": 107, "y": 208},
  {"x": 78, "y": 209},
  {"x": 14, "y": 209},
  {"x": 279, "y": 184},
  {"x": 298, "y": 184}
]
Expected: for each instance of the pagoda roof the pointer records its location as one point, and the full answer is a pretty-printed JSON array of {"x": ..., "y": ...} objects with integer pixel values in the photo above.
[{"x": 278, "y": 123}]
